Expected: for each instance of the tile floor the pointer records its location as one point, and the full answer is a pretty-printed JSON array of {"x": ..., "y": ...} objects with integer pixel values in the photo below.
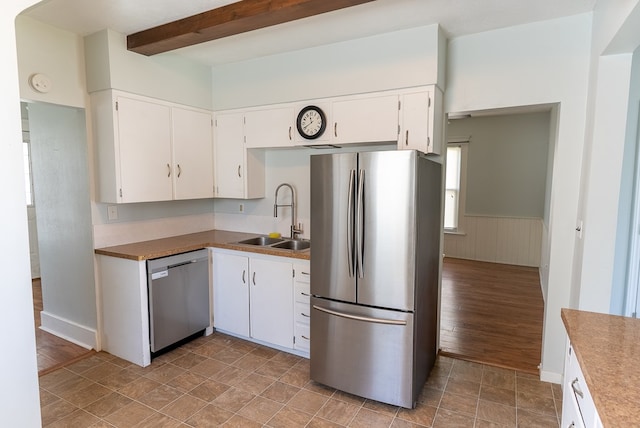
[{"x": 224, "y": 381}]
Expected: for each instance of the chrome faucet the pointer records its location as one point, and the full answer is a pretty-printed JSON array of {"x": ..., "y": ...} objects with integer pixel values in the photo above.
[{"x": 294, "y": 230}]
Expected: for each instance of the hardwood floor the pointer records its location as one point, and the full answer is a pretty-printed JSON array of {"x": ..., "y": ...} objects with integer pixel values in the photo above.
[
  {"x": 492, "y": 314},
  {"x": 53, "y": 352}
]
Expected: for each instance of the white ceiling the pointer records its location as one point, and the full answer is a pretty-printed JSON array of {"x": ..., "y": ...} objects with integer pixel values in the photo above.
[{"x": 457, "y": 18}]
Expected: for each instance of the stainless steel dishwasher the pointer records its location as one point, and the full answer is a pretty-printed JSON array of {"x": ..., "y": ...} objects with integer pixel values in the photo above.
[{"x": 178, "y": 297}]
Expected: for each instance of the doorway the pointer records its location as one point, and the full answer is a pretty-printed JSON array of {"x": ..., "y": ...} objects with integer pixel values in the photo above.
[{"x": 495, "y": 256}]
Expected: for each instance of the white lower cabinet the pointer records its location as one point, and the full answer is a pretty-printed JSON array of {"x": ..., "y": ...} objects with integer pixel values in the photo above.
[
  {"x": 578, "y": 408},
  {"x": 301, "y": 309},
  {"x": 253, "y": 296}
]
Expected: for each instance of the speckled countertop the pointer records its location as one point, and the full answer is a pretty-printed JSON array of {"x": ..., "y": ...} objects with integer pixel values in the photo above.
[
  {"x": 153, "y": 249},
  {"x": 608, "y": 350}
]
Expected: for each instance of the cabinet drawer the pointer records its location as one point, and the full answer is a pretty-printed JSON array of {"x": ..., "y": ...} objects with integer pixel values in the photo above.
[
  {"x": 301, "y": 292},
  {"x": 303, "y": 338},
  {"x": 302, "y": 274},
  {"x": 302, "y": 313},
  {"x": 578, "y": 394}
]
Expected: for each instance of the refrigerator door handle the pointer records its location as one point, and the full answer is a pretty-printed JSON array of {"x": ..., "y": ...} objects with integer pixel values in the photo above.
[
  {"x": 359, "y": 317},
  {"x": 360, "y": 226},
  {"x": 350, "y": 208}
]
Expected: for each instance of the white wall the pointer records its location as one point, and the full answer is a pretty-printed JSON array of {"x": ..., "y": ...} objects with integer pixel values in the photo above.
[
  {"x": 19, "y": 399},
  {"x": 540, "y": 63},
  {"x": 626, "y": 199},
  {"x": 612, "y": 125},
  {"x": 387, "y": 61},
  {"x": 168, "y": 77},
  {"x": 506, "y": 163},
  {"x": 56, "y": 53},
  {"x": 61, "y": 189}
]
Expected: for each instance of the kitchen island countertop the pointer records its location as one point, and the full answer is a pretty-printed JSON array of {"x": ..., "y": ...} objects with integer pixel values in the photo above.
[
  {"x": 608, "y": 350},
  {"x": 156, "y": 248}
]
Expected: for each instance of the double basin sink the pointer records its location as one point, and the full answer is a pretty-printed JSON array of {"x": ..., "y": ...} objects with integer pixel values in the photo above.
[{"x": 279, "y": 243}]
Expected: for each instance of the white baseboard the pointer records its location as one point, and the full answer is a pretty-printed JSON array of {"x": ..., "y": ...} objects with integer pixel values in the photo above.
[
  {"x": 69, "y": 330},
  {"x": 550, "y": 377}
]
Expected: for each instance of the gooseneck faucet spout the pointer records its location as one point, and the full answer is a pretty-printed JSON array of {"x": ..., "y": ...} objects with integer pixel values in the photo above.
[{"x": 294, "y": 230}]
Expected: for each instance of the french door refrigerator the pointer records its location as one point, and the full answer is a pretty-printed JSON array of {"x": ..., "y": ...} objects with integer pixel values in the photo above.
[{"x": 376, "y": 227}]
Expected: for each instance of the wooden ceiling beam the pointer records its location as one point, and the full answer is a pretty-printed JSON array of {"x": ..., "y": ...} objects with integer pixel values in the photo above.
[{"x": 235, "y": 18}]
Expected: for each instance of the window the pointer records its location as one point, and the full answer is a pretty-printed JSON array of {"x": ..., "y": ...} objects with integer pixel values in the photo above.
[
  {"x": 455, "y": 183},
  {"x": 452, "y": 187}
]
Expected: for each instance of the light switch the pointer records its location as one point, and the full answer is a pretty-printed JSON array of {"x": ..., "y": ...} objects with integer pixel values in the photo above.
[{"x": 112, "y": 212}]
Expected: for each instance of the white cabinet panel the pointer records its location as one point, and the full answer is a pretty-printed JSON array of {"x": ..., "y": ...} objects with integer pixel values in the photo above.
[
  {"x": 231, "y": 293},
  {"x": 578, "y": 408},
  {"x": 192, "y": 154},
  {"x": 302, "y": 308},
  {"x": 144, "y": 134},
  {"x": 271, "y": 302},
  {"x": 421, "y": 121},
  {"x": 253, "y": 297},
  {"x": 239, "y": 172},
  {"x": 365, "y": 119},
  {"x": 269, "y": 128}
]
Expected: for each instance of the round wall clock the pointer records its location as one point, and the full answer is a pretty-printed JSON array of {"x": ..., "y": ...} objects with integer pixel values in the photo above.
[{"x": 311, "y": 122}]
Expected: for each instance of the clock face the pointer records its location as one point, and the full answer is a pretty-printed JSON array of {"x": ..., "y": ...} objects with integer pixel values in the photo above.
[{"x": 311, "y": 122}]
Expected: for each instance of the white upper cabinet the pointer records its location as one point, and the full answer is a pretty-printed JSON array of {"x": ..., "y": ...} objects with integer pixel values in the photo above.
[
  {"x": 365, "y": 119},
  {"x": 273, "y": 127},
  {"x": 239, "y": 173},
  {"x": 150, "y": 150},
  {"x": 192, "y": 154},
  {"x": 229, "y": 155},
  {"x": 144, "y": 134},
  {"x": 421, "y": 123}
]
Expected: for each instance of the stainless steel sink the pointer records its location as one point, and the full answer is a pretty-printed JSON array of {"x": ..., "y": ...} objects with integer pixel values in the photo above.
[
  {"x": 293, "y": 244},
  {"x": 261, "y": 241}
]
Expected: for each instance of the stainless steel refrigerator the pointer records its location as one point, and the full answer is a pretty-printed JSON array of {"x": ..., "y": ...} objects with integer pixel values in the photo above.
[{"x": 376, "y": 228}]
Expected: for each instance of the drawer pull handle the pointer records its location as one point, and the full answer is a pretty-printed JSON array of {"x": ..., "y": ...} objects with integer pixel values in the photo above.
[
  {"x": 305, "y": 273},
  {"x": 573, "y": 425},
  {"x": 305, "y": 294},
  {"x": 244, "y": 273},
  {"x": 576, "y": 388},
  {"x": 305, "y": 337},
  {"x": 254, "y": 278},
  {"x": 304, "y": 315}
]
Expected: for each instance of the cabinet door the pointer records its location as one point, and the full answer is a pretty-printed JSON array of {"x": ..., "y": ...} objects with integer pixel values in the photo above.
[
  {"x": 229, "y": 155},
  {"x": 272, "y": 302},
  {"x": 366, "y": 119},
  {"x": 421, "y": 121},
  {"x": 231, "y": 293},
  {"x": 269, "y": 128},
  {"x": 415, "y": 112},
  {"x": 144, "y": 136},
  {"x": 192, "y": 154}
]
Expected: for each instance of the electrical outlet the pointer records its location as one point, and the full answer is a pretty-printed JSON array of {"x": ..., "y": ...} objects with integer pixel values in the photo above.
[
  {"x": 112, "y": 212},
  {"x": 241, "y": 208}
]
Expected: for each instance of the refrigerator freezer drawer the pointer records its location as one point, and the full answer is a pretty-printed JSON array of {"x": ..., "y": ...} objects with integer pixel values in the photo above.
[{"x": 364, "y": 351}]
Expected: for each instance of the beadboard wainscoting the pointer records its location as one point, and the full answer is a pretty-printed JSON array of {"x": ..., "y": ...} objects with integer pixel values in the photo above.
[{"x": 508, "y": 240}]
